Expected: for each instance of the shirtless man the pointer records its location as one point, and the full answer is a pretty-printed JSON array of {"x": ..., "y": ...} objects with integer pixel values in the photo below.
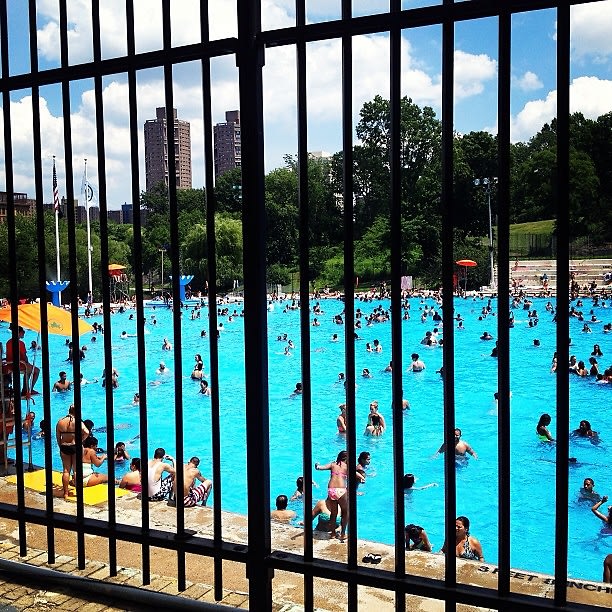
[
  {"x": 281, "y": 513},
  {"x": 63, "y": 384},
  {"x": 417, "y": 365},
  {"x": 160, "y": 488},
  {"x": 193, "y": 495},
  {"x": 461, "y": 446},
  {"x": 64, "y": 432}
]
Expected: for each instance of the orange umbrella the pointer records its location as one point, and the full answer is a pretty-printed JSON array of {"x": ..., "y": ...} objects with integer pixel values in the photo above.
[
  {"x": 468, "y": 263},
  {"x": 59, "y": 321},
  {"x": 113, "y": 267}
]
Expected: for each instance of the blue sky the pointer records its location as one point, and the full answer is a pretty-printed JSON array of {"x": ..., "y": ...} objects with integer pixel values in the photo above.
[{"x": 533, "y": 79}]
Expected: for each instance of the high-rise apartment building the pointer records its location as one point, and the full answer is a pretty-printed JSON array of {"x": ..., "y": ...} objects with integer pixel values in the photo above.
[
  {"x": 156, "y": 150},
  {"x": 228, "y": 149}
]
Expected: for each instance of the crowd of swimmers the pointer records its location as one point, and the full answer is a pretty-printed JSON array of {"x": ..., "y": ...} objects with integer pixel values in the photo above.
[
  {"x": 333, "y": 511},
  {"x": 334, "y": 508}
]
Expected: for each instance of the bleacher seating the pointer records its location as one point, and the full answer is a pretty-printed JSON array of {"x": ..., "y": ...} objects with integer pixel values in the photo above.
[{"x": 528, "y": 273}]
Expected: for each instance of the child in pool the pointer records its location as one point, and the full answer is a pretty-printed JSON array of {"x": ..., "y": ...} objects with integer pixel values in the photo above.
[{"x": 121, "y": 454}]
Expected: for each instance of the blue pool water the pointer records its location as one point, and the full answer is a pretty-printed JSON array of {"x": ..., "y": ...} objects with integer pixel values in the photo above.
[{"x": 533, "y": 392}]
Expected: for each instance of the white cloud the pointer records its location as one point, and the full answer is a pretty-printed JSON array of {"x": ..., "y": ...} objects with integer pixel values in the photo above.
[
  {"x": 472, "y": 72},
  {"x": 473, "y": 75},
  {"x": 589, "y": 95},
  {"x": 590, "y": 30},
  {"x": 184, "y": 16},
  {"x": 528, "y": 82}
]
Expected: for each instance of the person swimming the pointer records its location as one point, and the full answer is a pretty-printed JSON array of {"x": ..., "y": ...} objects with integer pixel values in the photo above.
[{"x": 542, "y": 428}]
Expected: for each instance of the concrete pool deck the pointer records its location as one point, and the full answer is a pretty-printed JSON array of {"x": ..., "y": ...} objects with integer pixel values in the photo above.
[{"x": 287, "y": 588}]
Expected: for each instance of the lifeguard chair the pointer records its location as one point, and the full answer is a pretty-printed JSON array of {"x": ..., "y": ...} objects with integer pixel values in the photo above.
[{"x": 119, "y": 285}]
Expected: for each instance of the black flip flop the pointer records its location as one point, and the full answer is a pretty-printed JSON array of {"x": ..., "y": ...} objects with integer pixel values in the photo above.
[
  {"x": 375, "y": 558},
  {"x": 369, "y": 558}
]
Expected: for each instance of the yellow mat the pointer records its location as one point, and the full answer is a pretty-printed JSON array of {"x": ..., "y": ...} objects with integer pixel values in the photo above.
[{"x": 91, "y": 495}]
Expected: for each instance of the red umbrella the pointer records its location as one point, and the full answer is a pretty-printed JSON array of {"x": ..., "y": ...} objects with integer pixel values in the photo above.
[{"x": 468, "y": 263}]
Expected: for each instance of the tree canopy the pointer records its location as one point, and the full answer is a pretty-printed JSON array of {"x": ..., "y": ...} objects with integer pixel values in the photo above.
[{"x": 534, "y": 196}]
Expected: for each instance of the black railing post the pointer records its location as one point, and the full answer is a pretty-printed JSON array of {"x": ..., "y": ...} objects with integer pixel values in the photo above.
[{"x": 250, "y": 63}]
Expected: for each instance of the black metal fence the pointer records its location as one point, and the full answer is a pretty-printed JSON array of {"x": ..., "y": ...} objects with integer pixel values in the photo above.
[{"x": 248, "y": 48}]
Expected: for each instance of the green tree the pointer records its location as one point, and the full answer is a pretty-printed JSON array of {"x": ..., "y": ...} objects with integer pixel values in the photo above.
[
  {"x": 282, "y": 216},
  {"x": 228, "y": 192},
  {"x": 194, "y": 251}
]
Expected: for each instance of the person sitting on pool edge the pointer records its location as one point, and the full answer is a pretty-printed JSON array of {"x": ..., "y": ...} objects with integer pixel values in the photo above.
[
  {"x": 192, "y": 494},
  {"x": 322, "y": 511},
  {"x": 281, "y": 513},
  {"x": 160, "y": 488}
]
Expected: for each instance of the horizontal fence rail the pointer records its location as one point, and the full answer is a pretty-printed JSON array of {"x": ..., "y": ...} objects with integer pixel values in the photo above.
[{"x": 259, "y": 561}]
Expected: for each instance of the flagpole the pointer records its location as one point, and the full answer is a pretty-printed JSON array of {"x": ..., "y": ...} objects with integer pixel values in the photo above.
[
  {"x": 88, "y": 228},
  {"x": 56, "y": 207}
]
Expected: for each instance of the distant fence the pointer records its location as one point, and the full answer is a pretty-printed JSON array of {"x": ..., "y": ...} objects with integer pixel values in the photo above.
[{"x": 526, "y": 246}]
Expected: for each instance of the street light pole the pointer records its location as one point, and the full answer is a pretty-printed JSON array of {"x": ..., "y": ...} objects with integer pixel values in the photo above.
[
  {"x": 486, "y": 183},
  {"x": 162, "y": 251}
]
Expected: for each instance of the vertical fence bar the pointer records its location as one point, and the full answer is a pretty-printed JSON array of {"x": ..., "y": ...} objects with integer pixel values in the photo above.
[
  {"x": 250, "y": 63},
  {"x": 12, "y": 242},
  {"x": 176, "y": 302},
  {"x": 448, "y": 349},
  {"x": 503, "y": 301},
  {"x": 105, "y": 281},
  {"x": 349, "y": 288},
  {"x": 304, "y": 208},
  {"x": 396, "y": 299},
  {"x": 211, "y": 255},
  {"x": 72, "y": 268},
  {"x": 562, "y": 373},
  {"x": 140, "y": 337},
  {"x": 42, "y": 278}
]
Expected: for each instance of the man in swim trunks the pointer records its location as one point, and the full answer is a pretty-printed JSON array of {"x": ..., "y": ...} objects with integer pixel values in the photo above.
[
  {"x": 65, "y": 434},
  {"x": 160, "y": 488},
  {"x": 192, "y": 495}
]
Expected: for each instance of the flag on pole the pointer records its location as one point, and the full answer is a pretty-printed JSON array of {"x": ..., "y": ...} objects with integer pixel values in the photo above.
[
  {"x": 89, "y": 193},
  {"x": 56, "y": 200}
]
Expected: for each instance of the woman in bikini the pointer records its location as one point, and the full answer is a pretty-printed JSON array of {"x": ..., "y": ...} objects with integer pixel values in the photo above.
[
  {"x": 336, "y": 492},
  {"x": 64, "y": 433},
  {"x": 466, "y": 546}
]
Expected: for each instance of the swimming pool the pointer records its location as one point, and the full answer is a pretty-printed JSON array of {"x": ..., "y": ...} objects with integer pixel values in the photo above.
[{"x": 533, "y": 392}]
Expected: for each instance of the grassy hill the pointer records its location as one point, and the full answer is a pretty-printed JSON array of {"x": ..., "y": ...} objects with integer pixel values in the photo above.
[{"x": 533, "y": 227}]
